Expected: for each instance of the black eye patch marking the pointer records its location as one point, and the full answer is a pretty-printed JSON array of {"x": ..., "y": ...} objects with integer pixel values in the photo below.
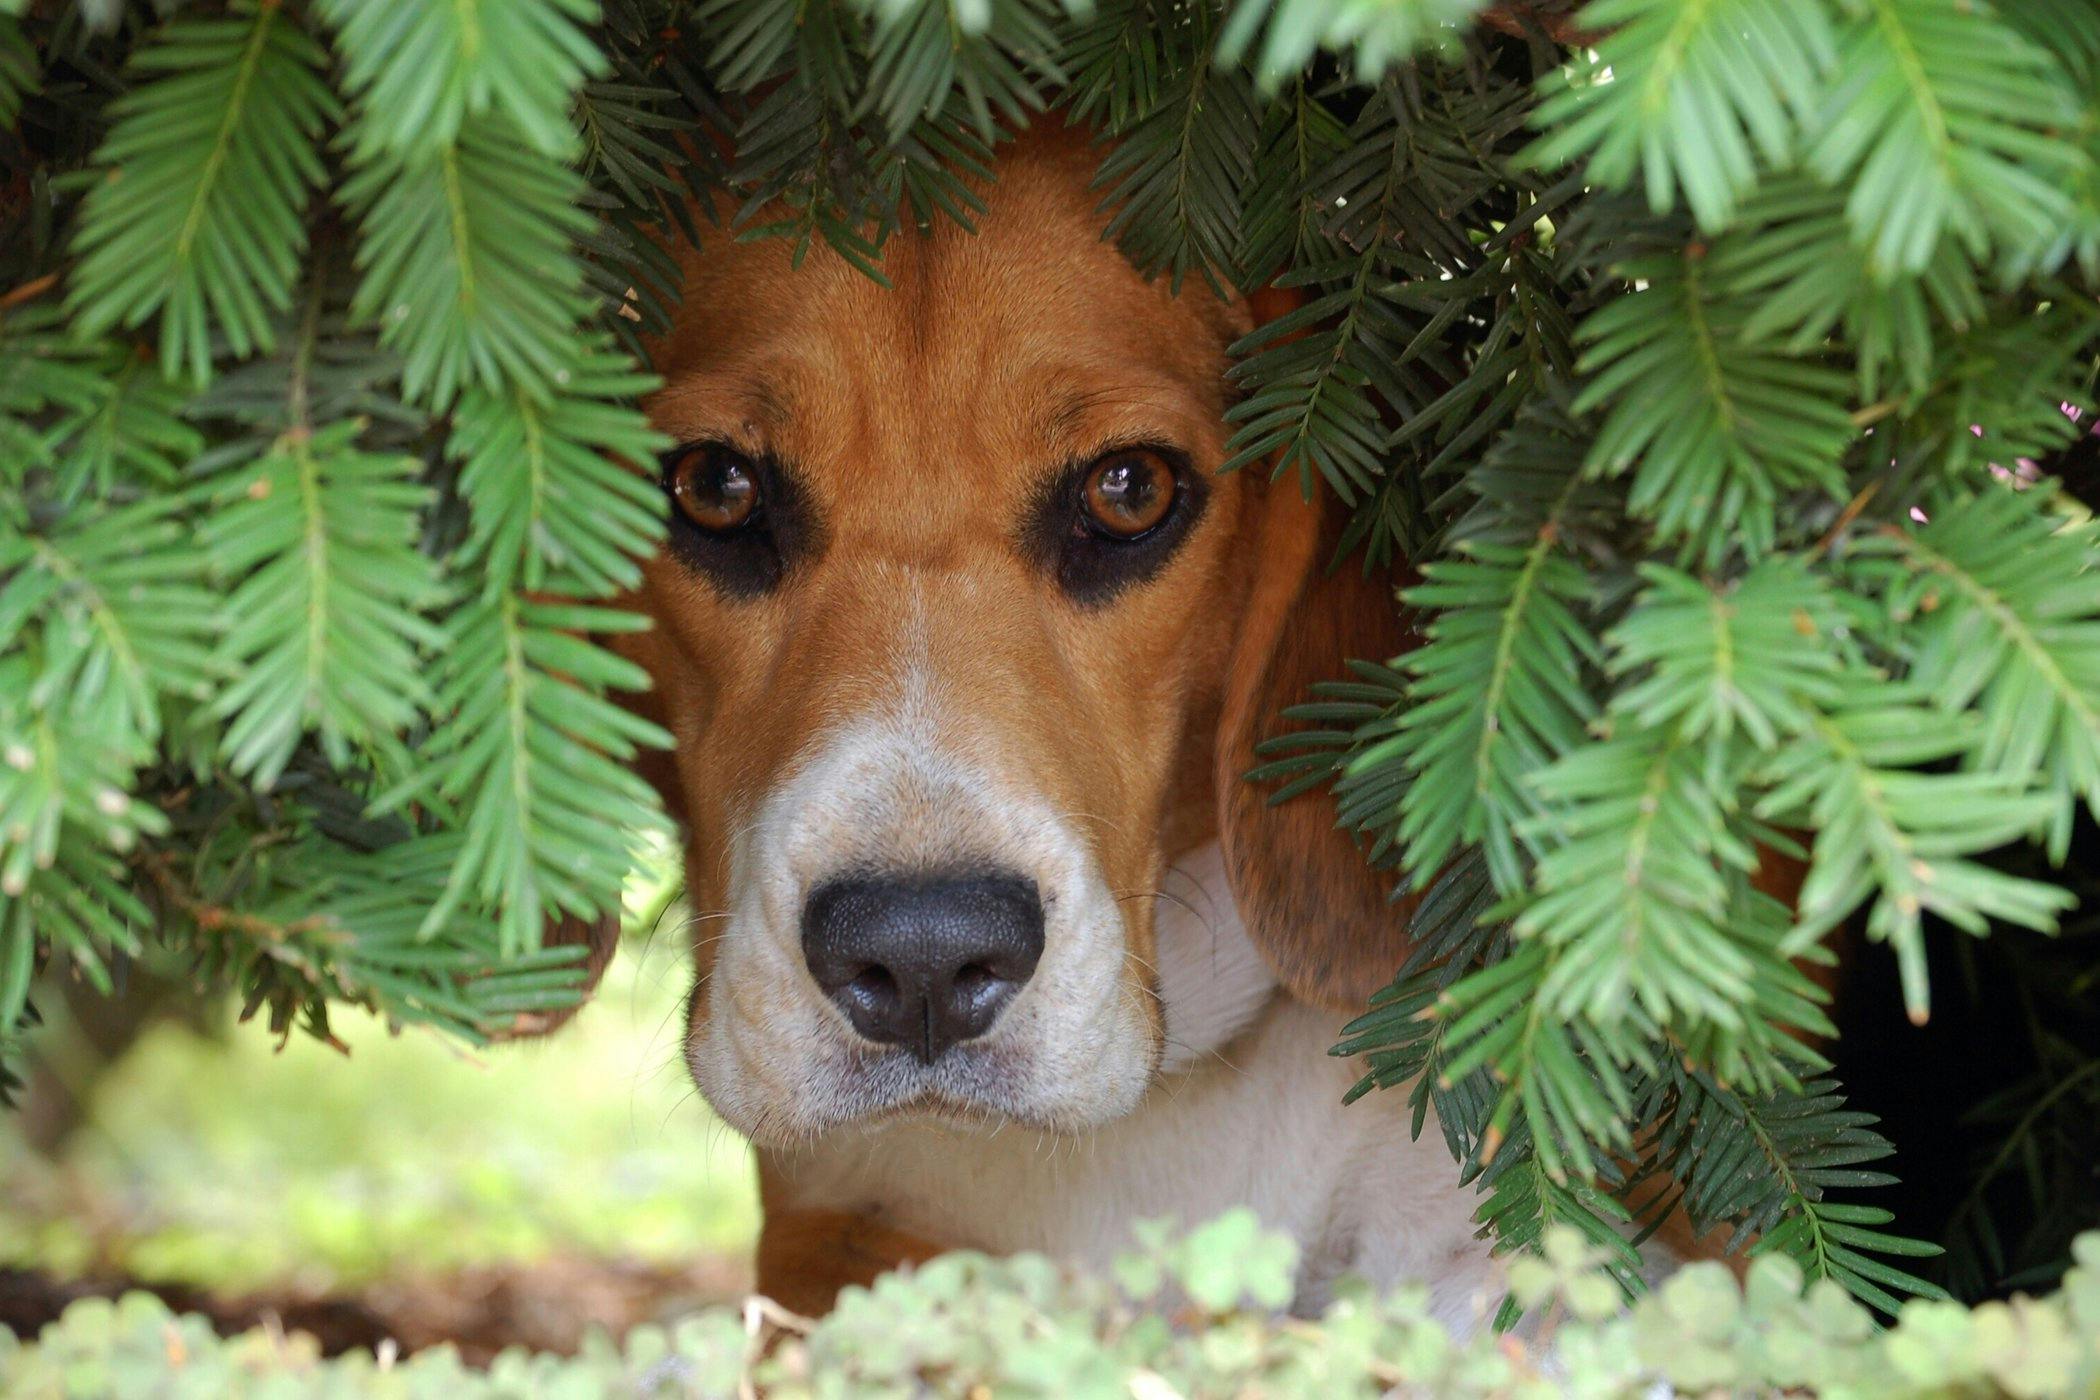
[
  {"x": 1091, "y": 552},
  {"x": 738, "y": 519}
]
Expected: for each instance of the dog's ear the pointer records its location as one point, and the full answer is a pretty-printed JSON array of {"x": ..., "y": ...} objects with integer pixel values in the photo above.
[{"x": 1327, "y": 923}]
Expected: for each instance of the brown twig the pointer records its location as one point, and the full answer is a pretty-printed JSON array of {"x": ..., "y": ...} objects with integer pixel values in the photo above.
[
  {"x": 1846, "y": 516},
  {"x": 28, "y": 291},
  {"x": 214, "y": 918}
]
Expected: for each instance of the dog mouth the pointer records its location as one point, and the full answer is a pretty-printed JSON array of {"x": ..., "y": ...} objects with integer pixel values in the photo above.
[{"x": 981, "y": 1085}]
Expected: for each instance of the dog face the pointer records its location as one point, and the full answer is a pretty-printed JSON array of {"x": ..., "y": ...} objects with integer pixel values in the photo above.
[{"x": 962, "y": 637}]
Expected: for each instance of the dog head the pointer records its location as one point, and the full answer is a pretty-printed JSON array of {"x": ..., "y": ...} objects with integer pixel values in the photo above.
[{"x": 963, "y": 638}]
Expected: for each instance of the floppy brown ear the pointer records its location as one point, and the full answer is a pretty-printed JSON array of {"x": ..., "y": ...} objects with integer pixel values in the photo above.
[{"x": 1326, "y": 922}]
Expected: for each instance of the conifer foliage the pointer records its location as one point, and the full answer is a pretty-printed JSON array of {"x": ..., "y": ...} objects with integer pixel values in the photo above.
[{"x": 1695, "y": 355}]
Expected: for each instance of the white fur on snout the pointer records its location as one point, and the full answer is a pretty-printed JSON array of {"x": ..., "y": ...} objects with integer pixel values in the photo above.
[{"x": 891, "y": 795}]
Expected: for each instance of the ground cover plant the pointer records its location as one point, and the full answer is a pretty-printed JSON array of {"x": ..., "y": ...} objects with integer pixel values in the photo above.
[
  {"x": 1708, "y": 365},
  {"x": 965, "y": 1325}
]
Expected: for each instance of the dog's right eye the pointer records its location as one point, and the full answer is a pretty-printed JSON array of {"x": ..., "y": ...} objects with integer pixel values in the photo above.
[
  {"x": 734, "y": 518},
  {"x": 715, "y": 488}
]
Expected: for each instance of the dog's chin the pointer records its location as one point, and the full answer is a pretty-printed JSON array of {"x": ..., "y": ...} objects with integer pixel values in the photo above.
[{"x": 858, "y": 1088}]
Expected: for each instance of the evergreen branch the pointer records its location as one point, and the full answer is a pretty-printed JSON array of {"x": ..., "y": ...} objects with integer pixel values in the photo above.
[
  {"x": 1791, "y": 262},
  {"x": 1319, "y": 379},
  {"x": 561, "y": 488},
  {"x": 466, "y": 265},
  {"x": 1301, "y": 136},
  {"x": 1497, "y": 693},
  {"x": 1706, "y": 445},
  {"x": 1764, "y": 1165},
  {"x": 79, "y": 902},
  {"x": 103, "y": 620},
  {"x": 133, "y": 439},
  {"x": 1629, "y": 882},
  {"x": 748, "y": 43},
  {"x": 1174, "y": 179},
  {"x": 45, "y": 375},
  {"x": 2069, "y": 29},
  {"x": 108, "y": 614},
  {"x": 988, "y": 60},
  {"x": 1943, "y": 119},
  {"x": 297, "y": 919},
  {"x": 208, "y": 168},
  {"x": 1754, "y": 657},
  {"x": 325, "y": 628},
  {"x": 423, "y": 73},
  {"x": 1119, "y": 56},
  {"x": 2000, "y": 598},
  {"x": 1689, "y": 97},
  {"x": 536, "y": 760},
  {"x": 21, "y": 71},
  {"x": 804, "y": 164},
  {"x": 1901, "y": 837},
  {"x": 1562, "y": 1098},
  {"x": 2000, "y": 390},
  {"x": 1375, "y": 34},
  {"x": 1525, "y": 1202}
]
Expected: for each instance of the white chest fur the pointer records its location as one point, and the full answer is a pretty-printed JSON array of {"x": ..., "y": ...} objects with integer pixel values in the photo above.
[{"x": 1248, "y": 1113}]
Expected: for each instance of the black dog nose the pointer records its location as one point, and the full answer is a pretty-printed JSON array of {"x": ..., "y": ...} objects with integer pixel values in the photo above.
[{"x": 923, "y": 963}]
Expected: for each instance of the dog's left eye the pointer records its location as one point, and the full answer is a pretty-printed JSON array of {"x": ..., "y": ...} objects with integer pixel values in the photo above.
[{"x": 1113, "y": 521}]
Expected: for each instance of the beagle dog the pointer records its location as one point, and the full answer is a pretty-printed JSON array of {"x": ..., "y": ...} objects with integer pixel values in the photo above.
[{"x": 966, "y": 644}]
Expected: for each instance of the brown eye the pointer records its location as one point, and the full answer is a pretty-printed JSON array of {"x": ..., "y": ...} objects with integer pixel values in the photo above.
[
  {"x": 1128, "y": 493},
  {"x": 715, "y": 488}
]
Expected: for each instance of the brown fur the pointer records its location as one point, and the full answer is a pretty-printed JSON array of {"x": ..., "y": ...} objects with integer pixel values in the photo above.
[{"x": 806, "y": 1256}]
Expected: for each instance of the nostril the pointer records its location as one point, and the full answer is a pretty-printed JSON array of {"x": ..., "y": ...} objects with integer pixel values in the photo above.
[
  {"x": 875, "y": 988},
  {"x": 976, "y": 984}
]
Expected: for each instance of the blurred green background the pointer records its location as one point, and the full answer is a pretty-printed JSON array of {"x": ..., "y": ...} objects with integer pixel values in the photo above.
[{"x": 204, "y": 1154}]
